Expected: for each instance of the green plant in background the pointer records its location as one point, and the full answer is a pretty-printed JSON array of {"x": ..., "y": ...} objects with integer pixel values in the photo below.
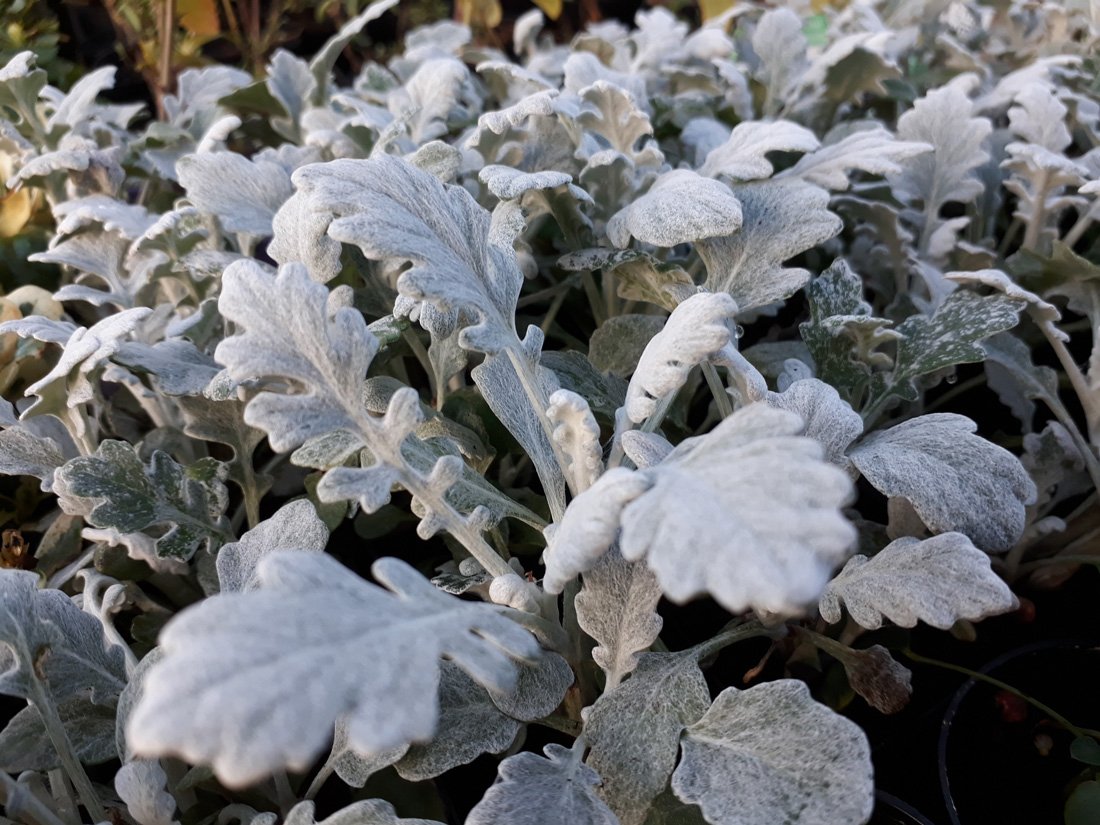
[
  {"x": 29, "y": 24},
  {"x": 608, "y": 324}
]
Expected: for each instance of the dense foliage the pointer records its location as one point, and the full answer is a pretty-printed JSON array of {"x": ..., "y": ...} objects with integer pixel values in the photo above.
[{"x": 660, "y": 314}]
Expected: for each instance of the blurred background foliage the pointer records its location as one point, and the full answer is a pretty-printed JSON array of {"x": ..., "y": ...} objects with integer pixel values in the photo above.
[{"x": 151, "y": 41}]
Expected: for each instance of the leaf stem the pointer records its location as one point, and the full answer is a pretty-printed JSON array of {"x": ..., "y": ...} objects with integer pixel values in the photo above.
[
  {"x": 1039, "y": 213},
  {"x": 717, "y": 389},
  {"x": 746, "y": 630},
  {"x": 1087, "y": 398},
  {"x": 997, "y": 683},
  {"x": 20, "y": 802},
  {"x": 285, "y": 795},
  {"x": 55, "y": 729}
]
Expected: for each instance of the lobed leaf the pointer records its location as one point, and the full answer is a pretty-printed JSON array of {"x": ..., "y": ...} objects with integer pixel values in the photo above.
[
  {"x": 617, "y": 607},
  {"x": 782, "y": 218},
  {"x": 557, "y": 789},
  {"x": 680, "y": 207},
  {"x": 773, "y": 754},
  {"x": 113, "y": 489},
  {"x": 633, "y": 731},
  {"x": 955, "y": 480},
  {"x": 254, "y": 681},
  {"x": 696, "y": 331},
  {"x": 938, "y": 581}
]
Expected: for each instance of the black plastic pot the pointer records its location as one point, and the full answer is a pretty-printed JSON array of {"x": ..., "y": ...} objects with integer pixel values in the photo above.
[{"x": 1002, "y": 760}]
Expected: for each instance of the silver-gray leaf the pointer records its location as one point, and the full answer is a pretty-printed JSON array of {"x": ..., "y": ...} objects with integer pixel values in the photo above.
[
  {"x": 81, "y": 662},
  {"x": 782, "y": 218},
  {"x": 470, "y": 724},
  {"x": 829, "y": 419},
  {"x": 294, "y": 526},
  {"x": 617, "y": 606},
  {"x": 363, "y": 812},
  {"x": 957, "y": 481},
  {"x": 243, "y": 194},
  {"x": 938, "y": 581},
  {"x": 634, "y": 730},
  {"x": 680, "y": 207},
  {"x": 772, "y": 754},
  {"x": 254, "y": 681},
  {"x": 532, "y": 790}
]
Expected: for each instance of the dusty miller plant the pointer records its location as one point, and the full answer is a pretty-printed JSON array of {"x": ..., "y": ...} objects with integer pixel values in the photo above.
[{"x": 507, "y": 301}]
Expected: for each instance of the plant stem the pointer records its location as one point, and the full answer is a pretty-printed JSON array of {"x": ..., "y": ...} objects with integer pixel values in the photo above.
[
  {"x": 1038, "y": 214},
  {"x": 653, "y": 423},
  {"x": 1085, "y": 395},
  {"x": 167, "y": 44},
  {"x": 286, "y": 797},
  {"x": 1078, "y": 229},
  {"x": 718, "y": 390},
  {"x": 746, "y": 630},
  {"x": 319, "y": 780},
  {"x": 595, "y": 303},
  {"x": 20, "y": 802},
  {"x": 51, "y": 720},
  {"x": 539, "y": 403},
  {"x": 425, "y": 361},
  {"x": 997, "y": 683}
]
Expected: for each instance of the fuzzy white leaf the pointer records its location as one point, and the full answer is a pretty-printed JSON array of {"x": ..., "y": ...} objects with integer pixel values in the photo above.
[
  {"x": 743, "y": 155},
  {"x": 634, "y": 730},
  {"x": 394, "y": 211},
  {"x": 617, "y": 606},
  {"x": 470, "y": 724},
  {"x": 25, "y": 745},
  {"x": 507, "y": 183},
  {"x": 578, "y": 435},
  {"x": 243, "y": 194},
  {"x": 782, "y": 219},
  {"x": 142, "y": 785},
  {"x": 955, "y": 480},
  {"x": 23, "y": 453},
  {"x": 290, "y": 328},
  {"x": 829, "y": 419},
  {"x": 779, "y": 43},
  {"x": 645, "y": 449},
  {"x": 80, "y": 661},
  {"x": 533, "y": 790},
  {"x": 942, "y": 118},
  {"x": 937, "y": 581},
  {"x": 590, "y": 525},
  {"x": 464, "y": 274},
  {"x": 69, "y": 383},
  {"x": 323, "y": 62},
  {"x": 79, "y": 104},
  {"x": 773, "y": 754},
  {"x": 680, "y": 207},
  {"x": 696, "y": 331},
  {"x": 356, "y": 768},
  {"x": 251, "y": 682},
  {"x": 766, "y": 538},
  {"x": 431, "y": 96},
  {"x": 873, "y": 150},
  {"x": 294, "y": 526},
  {"x": 540, "y": 687},
  {"x": 301, "y": 235},
  {"x": 1039, "y": 118}
]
